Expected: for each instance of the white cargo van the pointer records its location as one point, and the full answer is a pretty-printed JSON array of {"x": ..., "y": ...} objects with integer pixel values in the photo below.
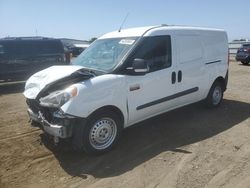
[{"x": 125, "y": 77}]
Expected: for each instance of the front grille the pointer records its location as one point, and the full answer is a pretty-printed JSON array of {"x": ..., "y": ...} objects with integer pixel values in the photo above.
[
  {"x": 33, "y": 105},
  {"x": 36, "y": 107}
]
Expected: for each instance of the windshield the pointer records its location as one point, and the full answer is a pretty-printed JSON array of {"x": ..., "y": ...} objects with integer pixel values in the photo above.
[{"x": 105, "y": 54}]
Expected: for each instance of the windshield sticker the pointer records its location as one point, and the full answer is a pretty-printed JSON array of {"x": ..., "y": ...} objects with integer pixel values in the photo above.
[{"x": 127, "y": 41}]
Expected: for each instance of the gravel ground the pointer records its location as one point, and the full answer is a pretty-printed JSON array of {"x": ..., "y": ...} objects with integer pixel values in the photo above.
[{"x": 189, "y": 147}]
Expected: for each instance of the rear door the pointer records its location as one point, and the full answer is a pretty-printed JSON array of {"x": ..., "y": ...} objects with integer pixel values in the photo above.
[{"x": 190, "y": 68}]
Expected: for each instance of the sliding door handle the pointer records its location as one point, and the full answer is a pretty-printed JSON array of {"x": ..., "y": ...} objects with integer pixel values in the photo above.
[
  {"x": 179, "y": 76},
  {"x": 173, "y": 77}
]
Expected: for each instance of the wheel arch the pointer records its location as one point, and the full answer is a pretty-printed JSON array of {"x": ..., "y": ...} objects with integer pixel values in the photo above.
[
  {"x": 111, "y": 108},
  {"x": 222, "y": 81}
]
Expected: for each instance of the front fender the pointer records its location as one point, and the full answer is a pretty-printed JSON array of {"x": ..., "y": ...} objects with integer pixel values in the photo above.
[{"x": 97, "y": 92}]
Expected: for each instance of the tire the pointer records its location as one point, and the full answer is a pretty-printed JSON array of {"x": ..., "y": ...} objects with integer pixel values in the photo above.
[
  {"x": 245, "y": 62},
  {"x": 215, "y": 95},
  {"x": 99, "y": 134}
]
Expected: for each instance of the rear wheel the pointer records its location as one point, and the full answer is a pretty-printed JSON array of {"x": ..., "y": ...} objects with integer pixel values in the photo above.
[
  {"x": 100, "y": 133},
  {"x": 215, "y": 95}
]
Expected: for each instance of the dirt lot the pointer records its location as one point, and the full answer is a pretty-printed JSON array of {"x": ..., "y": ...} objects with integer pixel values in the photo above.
[{"x": 188, "y": 147}]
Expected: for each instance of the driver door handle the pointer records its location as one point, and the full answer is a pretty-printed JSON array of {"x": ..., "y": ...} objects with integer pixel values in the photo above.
[{"x": 134, "y": 87}]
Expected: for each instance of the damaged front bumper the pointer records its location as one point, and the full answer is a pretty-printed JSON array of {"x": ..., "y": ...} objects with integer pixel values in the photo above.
[{"x": 62, "y": 129}]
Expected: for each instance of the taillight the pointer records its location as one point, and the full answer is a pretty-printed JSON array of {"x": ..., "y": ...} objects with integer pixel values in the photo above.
[{"x": 228, "y": 57}]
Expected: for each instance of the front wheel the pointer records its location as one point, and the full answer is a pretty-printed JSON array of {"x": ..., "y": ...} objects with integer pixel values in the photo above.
[
  {"x": 215, "y": 95},
  {"x": 100, "y": 133}
]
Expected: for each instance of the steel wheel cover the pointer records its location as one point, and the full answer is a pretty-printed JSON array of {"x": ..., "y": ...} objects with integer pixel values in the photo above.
[
  {"x": 103, "y": 133},
  {"x": 217, "y": 94}
]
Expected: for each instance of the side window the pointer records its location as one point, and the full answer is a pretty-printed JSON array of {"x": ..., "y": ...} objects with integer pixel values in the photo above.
[{"x": 156, "y": 51}]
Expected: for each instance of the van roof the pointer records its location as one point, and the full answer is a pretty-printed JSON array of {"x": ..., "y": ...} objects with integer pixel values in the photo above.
[{"x": 139, "y": 31}]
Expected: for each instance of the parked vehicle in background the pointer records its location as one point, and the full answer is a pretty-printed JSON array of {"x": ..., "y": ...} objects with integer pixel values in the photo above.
[
  {"x": 125, "y": 77},
  {"x": 23, "y": 56},
  {"x": 243, "y": 54},
  {"x": 73, "y": 46},
  {"x": 77, "y": 49}
]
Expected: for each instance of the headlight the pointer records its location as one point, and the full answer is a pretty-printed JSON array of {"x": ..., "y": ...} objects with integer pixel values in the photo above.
[{"x": 58, "y": 98}]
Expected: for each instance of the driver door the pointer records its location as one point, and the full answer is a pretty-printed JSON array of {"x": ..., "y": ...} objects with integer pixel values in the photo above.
[{"x": 150, "y": 94}]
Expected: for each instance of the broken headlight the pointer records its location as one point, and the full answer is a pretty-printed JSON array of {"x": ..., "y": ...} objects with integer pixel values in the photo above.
[{"x": 58, "y": 98}]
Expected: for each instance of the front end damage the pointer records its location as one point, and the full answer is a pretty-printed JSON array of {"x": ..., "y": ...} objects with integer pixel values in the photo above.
[{"x": 51, "y": 119}]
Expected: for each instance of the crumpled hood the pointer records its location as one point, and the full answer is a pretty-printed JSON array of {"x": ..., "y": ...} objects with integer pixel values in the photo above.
[{"x": 42, "y": 78}]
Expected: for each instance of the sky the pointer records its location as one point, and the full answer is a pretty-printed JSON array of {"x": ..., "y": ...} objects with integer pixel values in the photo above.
[{"x": 84, "y": 19}]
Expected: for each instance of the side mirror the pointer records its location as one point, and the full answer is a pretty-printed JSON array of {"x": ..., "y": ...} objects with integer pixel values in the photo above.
[{"x": 140, "y": 66}]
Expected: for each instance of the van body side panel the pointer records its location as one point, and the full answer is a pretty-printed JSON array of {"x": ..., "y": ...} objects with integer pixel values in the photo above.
[
  {"x": 215, "y": 57},
  {"x": 105, "y": 90},
  {"x": 201, "y": 67},
  {"x": 190, "y": 66},
  {"x": 149, "y": 99}
]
